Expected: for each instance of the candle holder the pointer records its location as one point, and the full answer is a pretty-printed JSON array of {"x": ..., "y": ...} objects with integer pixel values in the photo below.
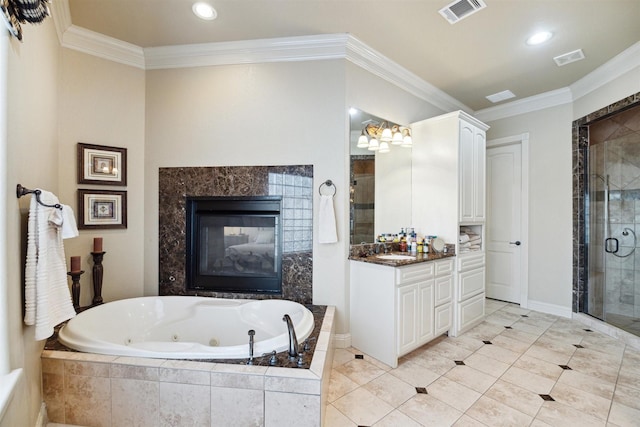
[
  {"x": 75, "y": 288},
  {"x": 97, "y": 277}
]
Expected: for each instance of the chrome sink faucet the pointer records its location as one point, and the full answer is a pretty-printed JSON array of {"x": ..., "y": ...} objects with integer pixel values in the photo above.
[{"x": 293, "y": 340}]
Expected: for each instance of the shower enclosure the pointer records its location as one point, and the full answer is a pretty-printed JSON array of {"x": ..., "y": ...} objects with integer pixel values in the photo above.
[{"x": 612, "y": 216}]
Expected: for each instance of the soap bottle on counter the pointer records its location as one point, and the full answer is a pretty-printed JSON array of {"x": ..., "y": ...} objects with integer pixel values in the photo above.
[{"x": 403, "y": 244}]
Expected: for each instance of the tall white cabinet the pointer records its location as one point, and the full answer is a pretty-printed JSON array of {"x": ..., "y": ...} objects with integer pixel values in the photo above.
[{"x": 448, "y": 186}]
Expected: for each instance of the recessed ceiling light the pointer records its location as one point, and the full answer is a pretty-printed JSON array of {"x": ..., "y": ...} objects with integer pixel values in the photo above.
[
  {"x": 204, "y": 11},
  {"x": 539, "y": 38},
  {"x": 353, "y": 111}
]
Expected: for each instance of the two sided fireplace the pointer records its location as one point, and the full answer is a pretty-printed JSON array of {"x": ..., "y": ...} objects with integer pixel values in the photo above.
[{"x": 234, "y": 244}]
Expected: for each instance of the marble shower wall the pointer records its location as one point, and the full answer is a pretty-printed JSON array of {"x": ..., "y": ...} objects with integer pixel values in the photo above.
[
  {"x": 175, "y": 184},
  {"x": 580, "y": 144}
]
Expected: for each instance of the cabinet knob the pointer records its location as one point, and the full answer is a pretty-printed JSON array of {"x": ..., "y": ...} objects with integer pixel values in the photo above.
[{"x": 517, "y": 243}]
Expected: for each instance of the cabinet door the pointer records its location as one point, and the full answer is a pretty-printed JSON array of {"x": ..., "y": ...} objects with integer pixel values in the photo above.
[
  {"x": 407, "y": 318},
  {"x": 479, "y": 154},
  {"x": 467, "y": 170},
  {"x": 472, "y": 173},
  {"x": 470, "y": 283},
  {"x": 425, "y": 312}
]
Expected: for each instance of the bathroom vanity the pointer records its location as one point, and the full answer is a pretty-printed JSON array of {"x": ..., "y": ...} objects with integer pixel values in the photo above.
[{"x": 397, "y": 306}]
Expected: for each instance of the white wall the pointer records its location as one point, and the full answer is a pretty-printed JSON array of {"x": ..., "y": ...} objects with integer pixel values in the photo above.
[
  {"x": 614, "y": 91},
  {"x": 102, "y": 102},
  {"x": 550, "y": 206},
  {"x": 247, "y": 115},
  {"x": 32, "y": 155}
]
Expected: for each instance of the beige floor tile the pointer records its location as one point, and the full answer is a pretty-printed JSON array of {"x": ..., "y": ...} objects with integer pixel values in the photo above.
[
  {"x": 429, "y": 411},
  {"x": 629, "y": 376},
  {"x": 548, "y": 355},
  {"x": 397, "y": 419},
  {"x": 362, "y": 407},
  {"x": 510, "y": 343},
  {"x": 484, "y": 331},
  {"x": 334, "y": 418},
  {"x": 582, "y": 400},
  {"x": 607, "y": 372},
  {"x": 557, "y": 414},
  {"x": 515, "y": 309},
  {"x": 592, "y": 384},
  {"x": 531, "y": 327},
  {"x": 360, "y": 371},
  {"x": 341, "y": 356},
  {"x": 515, "y": 397},
  {"x": 470, "y": 377},
  {"x": 339, "y": 385},
  {"x": 494, "y": 413},
  {"x": 438, "y": 364},
  {"x": 391, "y": 389},
  {"x": 523, "y": 336},
  {"x": 467, "y": 421},
  {"x": 498, "y": 353},
  {"x": 539, "y": 367},
  {"x": 487, "y": 364},
  {"x": 627, "y": 396},
  {"x": 502, "y": 318},
  {"x": 466, "y": 341},
  {"x": 448, "y": 351},
  {"x": 453, "y": 393},
  {"x": 623, "y": 415},
  {"x": 415, "y": 374},
  {"x": 533, "y": 382}
]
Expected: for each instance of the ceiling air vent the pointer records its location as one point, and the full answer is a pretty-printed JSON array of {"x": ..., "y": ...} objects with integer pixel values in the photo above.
[
  {"x": 569, "y": 57},
  {"x": 457, "y": 10}
]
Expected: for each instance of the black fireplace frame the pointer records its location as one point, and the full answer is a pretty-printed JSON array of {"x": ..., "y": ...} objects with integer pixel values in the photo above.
[{"x": 198, "y": 207}]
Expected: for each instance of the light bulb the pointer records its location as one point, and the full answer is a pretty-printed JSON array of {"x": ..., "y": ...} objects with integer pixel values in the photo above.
[
  {"x": 373, "y": 144},
  {"x": 363, "y": 142},
  {"x": 384, "y": 147},
  {"x": 397, "y": 138},
  {"x": 204, "y": 11}
]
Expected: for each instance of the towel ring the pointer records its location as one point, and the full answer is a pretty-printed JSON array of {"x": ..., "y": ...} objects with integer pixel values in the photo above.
[{"x": 328, "y": 183}]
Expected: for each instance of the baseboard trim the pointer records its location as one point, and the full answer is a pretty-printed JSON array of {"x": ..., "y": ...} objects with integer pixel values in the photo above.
[
  {"x": 42, "y": 419},
  {"x": 342, "y": 340},
  {"x": 545, "y": 307}
]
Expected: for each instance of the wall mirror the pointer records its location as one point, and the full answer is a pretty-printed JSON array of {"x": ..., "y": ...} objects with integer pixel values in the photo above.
[{"x": 380, "y": 187}]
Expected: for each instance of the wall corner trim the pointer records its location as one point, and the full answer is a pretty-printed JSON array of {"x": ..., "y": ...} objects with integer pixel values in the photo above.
[{"x": 526, "y": 105}]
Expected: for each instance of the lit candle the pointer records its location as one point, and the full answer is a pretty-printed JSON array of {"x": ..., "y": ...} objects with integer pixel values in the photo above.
[
  {"x": 97, "y": 244},
  {"x": 75, "y": 264}
]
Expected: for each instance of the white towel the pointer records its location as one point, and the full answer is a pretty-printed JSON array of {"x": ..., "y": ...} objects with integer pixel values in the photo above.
[
  {"x": 47, "y": 296},
  {"x": 327, "y": 221},
  {"x": 463, "y": 238}
]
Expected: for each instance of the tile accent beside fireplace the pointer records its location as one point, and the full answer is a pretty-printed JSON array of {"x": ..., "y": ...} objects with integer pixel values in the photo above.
[{"x": 293, "y": 183}]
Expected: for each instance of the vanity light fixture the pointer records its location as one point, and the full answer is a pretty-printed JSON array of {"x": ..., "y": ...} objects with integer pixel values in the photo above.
[
  {"x": 363, "y": 141},
  {"x": 204, "y": 11},
  {"x": 539, "y": 38},
  {"x": 380, "y": 137}
]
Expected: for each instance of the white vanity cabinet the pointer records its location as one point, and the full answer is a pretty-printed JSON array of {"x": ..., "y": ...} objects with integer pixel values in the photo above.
[
  {"x": 395, "y": 310},
  {"x": 448, "y": 191}
]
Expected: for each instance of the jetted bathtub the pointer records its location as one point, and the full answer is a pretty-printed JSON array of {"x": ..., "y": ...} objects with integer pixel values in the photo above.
[{"x": 186, "y": 327}]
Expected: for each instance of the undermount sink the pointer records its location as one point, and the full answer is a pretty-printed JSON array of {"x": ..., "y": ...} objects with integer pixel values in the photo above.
[{"x": 397, "y": 257}]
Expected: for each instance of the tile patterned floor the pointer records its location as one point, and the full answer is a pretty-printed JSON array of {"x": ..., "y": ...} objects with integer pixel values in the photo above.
[{"x": 517, "y": 368}]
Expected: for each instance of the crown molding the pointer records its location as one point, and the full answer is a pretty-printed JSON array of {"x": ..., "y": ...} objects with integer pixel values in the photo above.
[
  {"x": 61, "y": 17},
  {"x": 285, "y": 49},
  {"x": 620, "y": 64},
  {"x": 96, "y": 44},
  {"x": 373, "y": 61},
  {"x": 526, "y": 105}
]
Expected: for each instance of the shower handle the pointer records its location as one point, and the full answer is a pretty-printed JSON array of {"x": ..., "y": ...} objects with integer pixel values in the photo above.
[{"x": 607, "y": 246}]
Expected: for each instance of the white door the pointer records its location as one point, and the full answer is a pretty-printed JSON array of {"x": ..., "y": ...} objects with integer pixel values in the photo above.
[{"x": 503, "y": 234}]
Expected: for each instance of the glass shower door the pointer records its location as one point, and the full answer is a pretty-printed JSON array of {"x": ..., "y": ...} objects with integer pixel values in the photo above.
[{"x": 613, "y": 208}]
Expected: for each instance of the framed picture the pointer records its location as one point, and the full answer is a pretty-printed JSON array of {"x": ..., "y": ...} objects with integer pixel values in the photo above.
[
  {"x": 102, "y": 209},
  {"x": 99, "y": 164}
]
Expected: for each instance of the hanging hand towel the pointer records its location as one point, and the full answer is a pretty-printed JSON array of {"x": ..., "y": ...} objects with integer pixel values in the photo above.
[
  {"x": 327, "y": 221},
  {"x": 47, "y": 296}
]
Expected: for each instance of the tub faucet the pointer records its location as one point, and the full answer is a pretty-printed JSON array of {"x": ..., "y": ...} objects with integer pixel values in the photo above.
[
  {"x": 293, "y": 340},
  {"x": 251, "y": 334}
]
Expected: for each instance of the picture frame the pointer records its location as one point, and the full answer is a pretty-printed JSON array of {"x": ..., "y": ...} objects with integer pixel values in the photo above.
[
  {"x": 101, "y": 209},
  {"x": 99, "y": 164}
]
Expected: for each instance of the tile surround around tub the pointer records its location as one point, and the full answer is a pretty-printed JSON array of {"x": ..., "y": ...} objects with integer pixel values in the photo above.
[
  {"x": 176, "y": 183},
  {"x": 96, "y": 390}
]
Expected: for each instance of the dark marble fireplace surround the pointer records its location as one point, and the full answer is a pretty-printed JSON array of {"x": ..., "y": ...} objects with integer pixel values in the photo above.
[{"x": 176, "y": 183}]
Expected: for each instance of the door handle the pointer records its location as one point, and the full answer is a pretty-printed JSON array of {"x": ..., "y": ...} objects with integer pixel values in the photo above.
[
  {"x": 517, "y": 243},
  {"x": 607, "y": 246}
]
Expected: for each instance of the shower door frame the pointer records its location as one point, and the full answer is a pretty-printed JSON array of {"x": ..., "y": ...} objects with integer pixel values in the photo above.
[{"x": 580, "y": 145}]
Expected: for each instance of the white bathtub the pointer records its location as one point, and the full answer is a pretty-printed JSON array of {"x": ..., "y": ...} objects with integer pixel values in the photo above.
[{"x": 185, "y": 327}]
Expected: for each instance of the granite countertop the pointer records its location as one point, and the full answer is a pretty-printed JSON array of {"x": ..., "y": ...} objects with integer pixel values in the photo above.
[{"x": 420, "y": 257}]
